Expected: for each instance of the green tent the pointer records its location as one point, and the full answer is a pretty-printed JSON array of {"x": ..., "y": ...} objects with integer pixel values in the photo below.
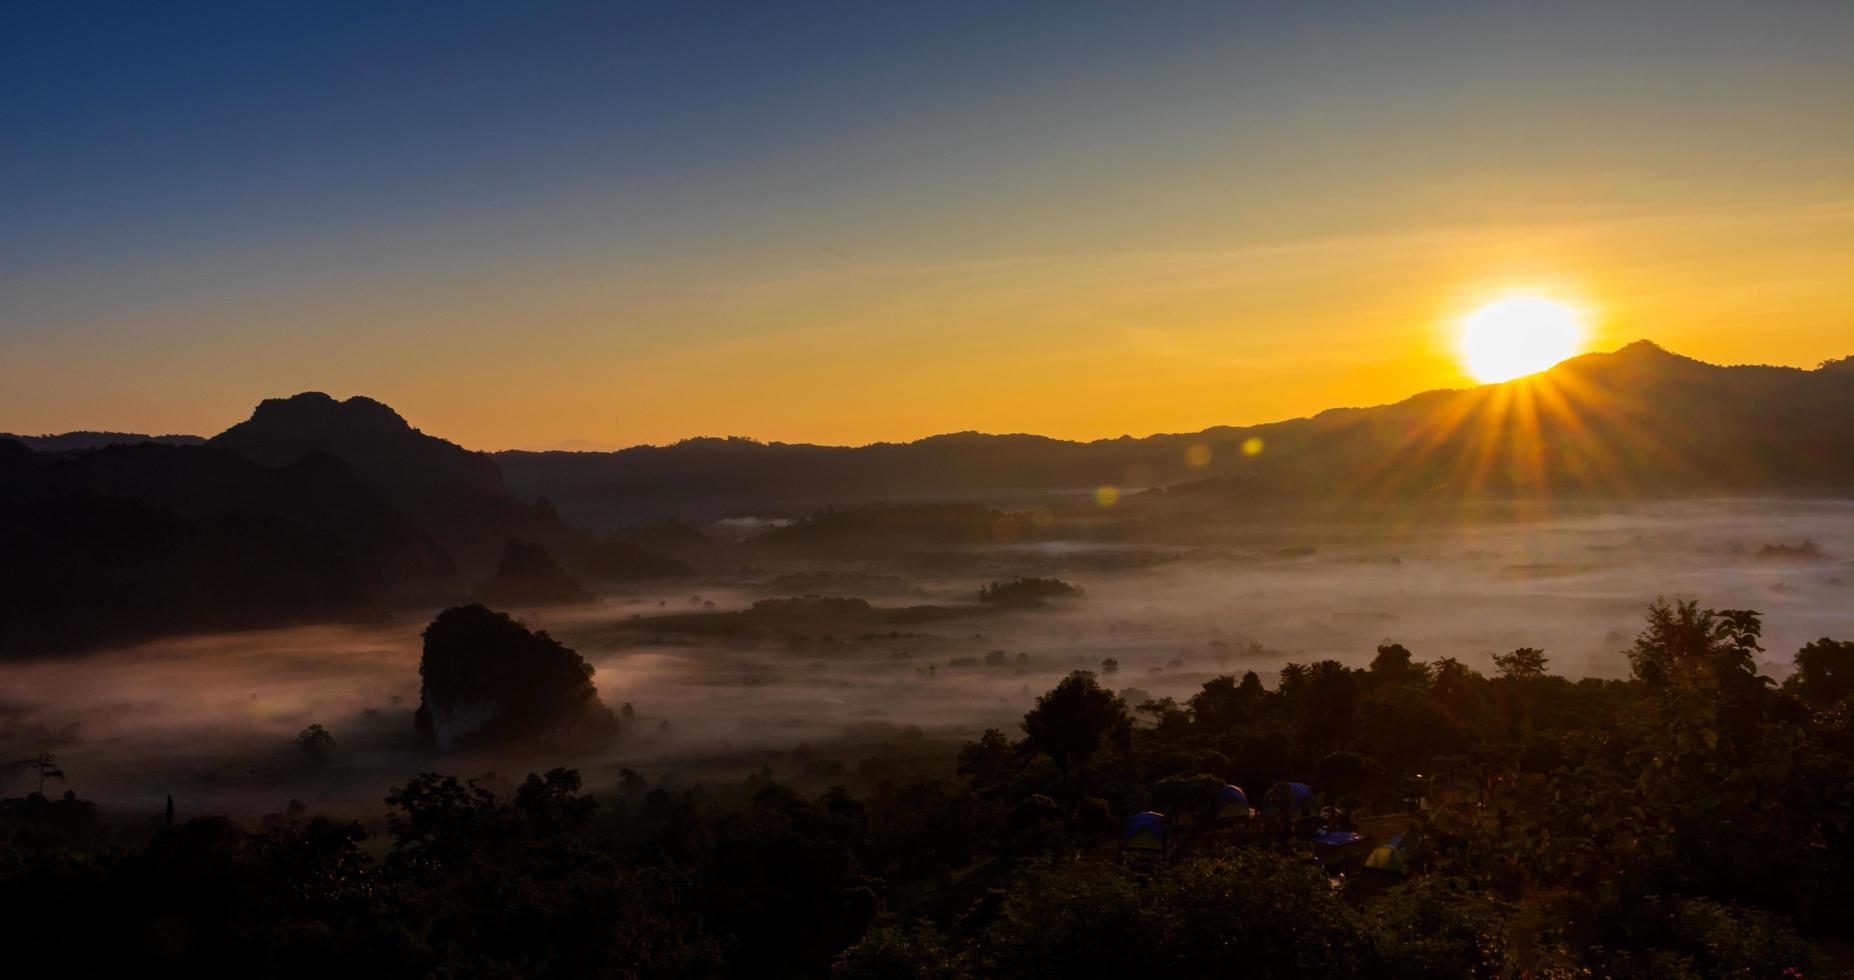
[{"x": 1388, "y": 856}]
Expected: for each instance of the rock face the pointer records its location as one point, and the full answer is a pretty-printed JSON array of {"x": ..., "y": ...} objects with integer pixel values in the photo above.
[
  {"x": 488, "y": 680},
  {"x": 528, "y": 576}
]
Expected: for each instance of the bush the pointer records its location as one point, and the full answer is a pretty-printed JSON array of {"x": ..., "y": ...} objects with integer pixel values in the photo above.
[
  {"x": 893, "y": 953},
  {"x": 1439, "y": 927}
]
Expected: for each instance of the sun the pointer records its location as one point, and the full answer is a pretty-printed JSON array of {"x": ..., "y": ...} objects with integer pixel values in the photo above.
[{"x": 1519, "y": 335}]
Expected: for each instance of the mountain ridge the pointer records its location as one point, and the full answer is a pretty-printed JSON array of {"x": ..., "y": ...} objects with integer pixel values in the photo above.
[
  {"x": 474, "y": 501},
  {"x": 706, "y": 479}
]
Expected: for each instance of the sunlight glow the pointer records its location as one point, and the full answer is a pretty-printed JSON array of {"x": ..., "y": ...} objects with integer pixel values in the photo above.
[{"x": 1519, "y": 335}]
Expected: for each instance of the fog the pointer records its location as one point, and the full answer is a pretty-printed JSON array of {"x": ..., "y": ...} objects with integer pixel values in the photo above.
[{"x": 211, "y": 719}]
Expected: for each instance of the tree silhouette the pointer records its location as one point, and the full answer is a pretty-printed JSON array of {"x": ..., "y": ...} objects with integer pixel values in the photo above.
[
  {"x": 1689, "y": 645},
  {"x": 1394, "y": 665},
  {"x": 1825, "y": 671},
  {"x": 317, "y": 744},
  {"x": 47, "y": 766},
  {"x": 1074, "y": 721},
  {"x": 1520, "y": 671},
  {"x": 1523, "y": 664}
]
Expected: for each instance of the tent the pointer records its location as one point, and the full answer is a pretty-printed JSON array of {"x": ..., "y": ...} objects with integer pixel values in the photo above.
[
  {"x": 1299, "y": 801},
  {"x": 1145, "y": 832},
  {"x": 1387, "y": 856},
  {"x": 1233, "y": 803}
]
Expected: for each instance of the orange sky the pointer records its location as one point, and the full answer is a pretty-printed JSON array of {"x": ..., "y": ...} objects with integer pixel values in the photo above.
[{"x": 1079, "y": 345}]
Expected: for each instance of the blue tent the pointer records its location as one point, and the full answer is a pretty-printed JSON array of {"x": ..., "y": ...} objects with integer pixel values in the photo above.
[
  {"x": 1300, "y": 802},
  {"x": 1232, "y": 803},
  {"x": 1145, "y": 832}
]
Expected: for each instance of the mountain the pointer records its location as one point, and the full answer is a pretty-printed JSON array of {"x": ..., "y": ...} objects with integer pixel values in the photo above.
[
  {"x": 64, "y": 441},
  {"x": 1636, "y": 422},
  {"x": 455, "y": 494},
  {"x": 128, "y": 542}
]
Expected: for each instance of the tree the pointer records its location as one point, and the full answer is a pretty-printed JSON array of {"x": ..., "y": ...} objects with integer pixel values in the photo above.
[
  {"x": 985, "y": 761},
  {"x": 1074, "y": 721},
  {"x": 1523, "y": 664},
  {"x": 1456, "y": 687},
  {"x": 1027, "y": 592},
  {"x": 47, "y": 767},
  {"x": 1684, "y": 643},
  {"x": 1223, "y": 703},
  {"x": 1394, "y": 665},
  {"x": 317, "y": 744},
  {"x": 1325, "y": 696},
  {"x": 1825, "y": 671},
  {"x": 1520, "y": 673}
]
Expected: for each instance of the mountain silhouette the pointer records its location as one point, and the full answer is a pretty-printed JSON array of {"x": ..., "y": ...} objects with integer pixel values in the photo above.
[
  {"x": 455, "y": 494},
  {"x": 528, "y": 576},
  {"x": 1632, "y": 423}
]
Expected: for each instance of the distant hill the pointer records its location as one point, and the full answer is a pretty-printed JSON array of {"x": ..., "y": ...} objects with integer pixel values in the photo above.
[
  {"x": 127, "y": 542},
  {"x": 528, "y": 576},
  {"x": 65, "y": 441},
  {"x": 455, "y": 494},
  {"x": 1637, "y": 422}
]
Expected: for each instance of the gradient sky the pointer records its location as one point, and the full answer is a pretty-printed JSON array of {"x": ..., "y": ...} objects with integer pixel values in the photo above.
[{"x": 524, "y": 224}]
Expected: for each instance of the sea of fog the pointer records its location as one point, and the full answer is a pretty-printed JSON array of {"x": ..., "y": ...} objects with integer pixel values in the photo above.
[{"x": 211, "y": 719}]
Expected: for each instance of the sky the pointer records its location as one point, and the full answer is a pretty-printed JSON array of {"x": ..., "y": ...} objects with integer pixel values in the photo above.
[{"x": 537, "y": 224}]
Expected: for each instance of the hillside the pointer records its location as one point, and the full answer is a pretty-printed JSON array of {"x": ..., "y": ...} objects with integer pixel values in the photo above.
[{"x": 133, "y": 541}]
